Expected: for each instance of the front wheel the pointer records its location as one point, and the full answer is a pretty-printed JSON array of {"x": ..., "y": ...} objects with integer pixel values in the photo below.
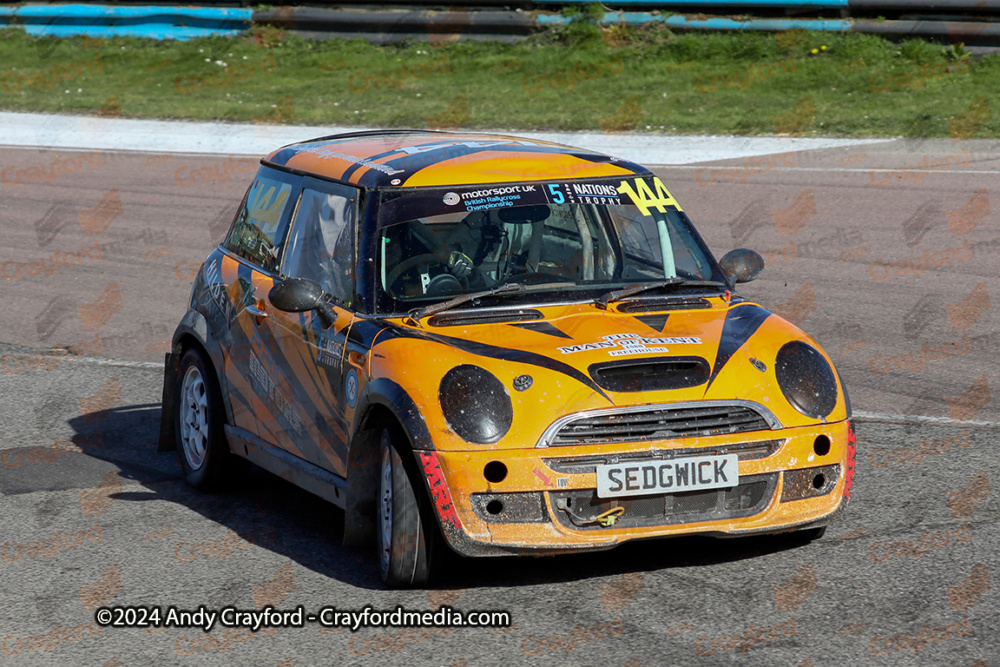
[
  {"x": 407, "y": 537},
  {"x": 198, "y": 423}
]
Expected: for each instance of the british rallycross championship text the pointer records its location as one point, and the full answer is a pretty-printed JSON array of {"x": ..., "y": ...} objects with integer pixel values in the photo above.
[{"x": 269, "y": 617}]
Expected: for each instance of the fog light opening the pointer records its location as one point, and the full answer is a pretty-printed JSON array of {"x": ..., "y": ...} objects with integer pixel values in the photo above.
[
  {"x": 819, "y": 481},
  {"x": 495, "y": 472},
  {"x": 494, "y": 506},
  {"x": 822, "y": 445}
]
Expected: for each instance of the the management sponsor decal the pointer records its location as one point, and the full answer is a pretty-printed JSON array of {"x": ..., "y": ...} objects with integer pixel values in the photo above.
[{"x": 629, "y": 343}]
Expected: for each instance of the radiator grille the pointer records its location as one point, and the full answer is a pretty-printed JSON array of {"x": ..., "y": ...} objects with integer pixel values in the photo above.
[{"x": 659, "y": 424}]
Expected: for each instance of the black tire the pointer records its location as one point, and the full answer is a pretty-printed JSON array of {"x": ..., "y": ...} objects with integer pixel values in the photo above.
[
  {"x": 406, "y": 533},
  {"x": 199, "y": 428}
]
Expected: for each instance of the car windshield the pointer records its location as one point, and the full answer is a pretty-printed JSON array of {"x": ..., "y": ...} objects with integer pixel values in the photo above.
[{"x": 581, "y": 243}]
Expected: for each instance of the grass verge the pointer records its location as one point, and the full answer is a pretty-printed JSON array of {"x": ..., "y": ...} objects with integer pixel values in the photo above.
[{"x": 577, "y": 78}]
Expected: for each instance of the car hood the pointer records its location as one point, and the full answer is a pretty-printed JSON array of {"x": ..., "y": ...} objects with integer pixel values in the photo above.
[{"x": 731, "y": 347}]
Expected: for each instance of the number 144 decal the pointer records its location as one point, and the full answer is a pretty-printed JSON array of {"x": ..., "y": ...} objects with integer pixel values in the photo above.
[{"x": 644, "y": 198}]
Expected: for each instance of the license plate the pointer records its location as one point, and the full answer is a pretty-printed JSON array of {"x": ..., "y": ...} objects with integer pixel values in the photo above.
[{"x": 643, "y": 478}]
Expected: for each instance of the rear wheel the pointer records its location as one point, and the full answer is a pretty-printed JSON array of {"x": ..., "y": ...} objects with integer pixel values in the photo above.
[
  {"x": 408, "y": 541},
  {"x": 198, "y": 423}
]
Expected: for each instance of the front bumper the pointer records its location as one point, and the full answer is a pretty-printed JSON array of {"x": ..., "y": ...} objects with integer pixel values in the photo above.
[{"x": 546, "y": 501}]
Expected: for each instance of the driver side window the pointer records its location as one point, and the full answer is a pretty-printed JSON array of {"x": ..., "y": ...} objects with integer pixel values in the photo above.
[
  {"x": 258, "y": 231},
  {"x": 320, "y": 244}
]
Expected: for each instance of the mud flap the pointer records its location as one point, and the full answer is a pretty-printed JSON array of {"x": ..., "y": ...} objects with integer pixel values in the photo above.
[
  {"x": 168, "y": 439},
  {"x": 849, "y": 466},
  {"x": 360, "y": 511}
]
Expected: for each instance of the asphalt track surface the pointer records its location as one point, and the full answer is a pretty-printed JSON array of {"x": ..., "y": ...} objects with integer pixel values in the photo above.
[{"x": 886, "y": 254}]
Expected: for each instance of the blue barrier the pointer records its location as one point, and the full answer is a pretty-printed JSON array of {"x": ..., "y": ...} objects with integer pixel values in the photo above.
[{"x": 106, "y": 21}]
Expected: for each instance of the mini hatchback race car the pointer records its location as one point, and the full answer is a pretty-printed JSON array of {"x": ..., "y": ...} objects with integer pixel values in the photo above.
[{"x": 502, "y": 346}]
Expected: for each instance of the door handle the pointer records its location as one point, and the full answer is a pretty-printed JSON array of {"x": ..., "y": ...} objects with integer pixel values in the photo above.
[{"x": 356, "y": 358}]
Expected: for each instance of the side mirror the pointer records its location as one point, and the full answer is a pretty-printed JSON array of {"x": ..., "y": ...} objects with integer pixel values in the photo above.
[
  {"x": 742, "y": 265},
  {"x": 297, "y": 295}
]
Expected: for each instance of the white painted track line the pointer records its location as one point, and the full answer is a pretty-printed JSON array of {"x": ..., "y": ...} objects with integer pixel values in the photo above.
[{"x": 919, "y": 419}]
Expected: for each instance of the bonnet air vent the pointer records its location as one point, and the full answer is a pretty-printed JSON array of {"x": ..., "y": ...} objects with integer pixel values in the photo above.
[
  {"x": 648, "y": 305},
  {"x": 466, "y": 317},
  {"x": 651, "y": 374}
]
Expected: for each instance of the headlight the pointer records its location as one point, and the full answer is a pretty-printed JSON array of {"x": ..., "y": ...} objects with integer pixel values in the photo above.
[
  {"x": 475, "y": 404},
  {"x": 806, "y": 379}
]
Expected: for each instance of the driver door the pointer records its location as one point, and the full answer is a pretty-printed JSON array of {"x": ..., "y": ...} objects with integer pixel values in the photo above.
[
  {"x": 255, "y": 380},
  {"x": 320, "y": 246}
]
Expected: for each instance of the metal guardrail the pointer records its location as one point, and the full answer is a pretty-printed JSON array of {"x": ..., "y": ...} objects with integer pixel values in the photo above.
[
  {"x": 979, "y": 6},
  {"x": 389, "y": 26},
  {"x": 396, "y": 24},
  {"x": 948, "y": 5}
]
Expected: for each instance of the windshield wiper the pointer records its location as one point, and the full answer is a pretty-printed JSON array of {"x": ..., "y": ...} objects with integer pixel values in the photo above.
[
  {"x": 631, "y": 290},
  {"x": 418, "y": 313}
]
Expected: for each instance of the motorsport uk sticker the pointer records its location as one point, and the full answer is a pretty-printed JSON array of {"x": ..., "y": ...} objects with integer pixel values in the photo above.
[
  {"x": 499, "y": 197},
  {"x": 628, "y": 343}
]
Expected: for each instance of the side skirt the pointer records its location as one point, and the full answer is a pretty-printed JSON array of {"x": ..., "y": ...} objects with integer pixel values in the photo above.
[{"x": 305, "y": 475}]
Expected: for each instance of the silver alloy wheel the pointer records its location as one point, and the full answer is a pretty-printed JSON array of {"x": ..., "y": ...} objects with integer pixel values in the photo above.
[
  {"x": 385, "y": 509},
  {"x": 194, "y": 418}
]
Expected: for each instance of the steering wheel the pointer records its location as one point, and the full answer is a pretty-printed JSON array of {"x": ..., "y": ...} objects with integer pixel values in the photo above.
[
  {"x": 444, "y": 284},
  {"x": 426, "y": 258}
]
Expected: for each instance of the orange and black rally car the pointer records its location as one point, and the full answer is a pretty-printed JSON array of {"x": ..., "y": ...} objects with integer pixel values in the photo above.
[{"x": 499, "y": 345}]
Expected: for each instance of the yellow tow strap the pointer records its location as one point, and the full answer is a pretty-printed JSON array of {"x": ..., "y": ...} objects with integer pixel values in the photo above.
[{"x": 608, "y": 518}]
